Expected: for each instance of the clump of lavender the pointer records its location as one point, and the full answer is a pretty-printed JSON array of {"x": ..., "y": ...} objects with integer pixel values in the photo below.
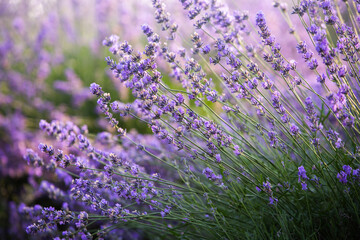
[
  {"x": 40, "y": 79},
  {"x": 246, "y": 141}
]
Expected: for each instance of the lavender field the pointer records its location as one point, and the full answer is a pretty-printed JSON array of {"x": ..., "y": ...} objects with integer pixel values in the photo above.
[{"x": 179, "y": 119}]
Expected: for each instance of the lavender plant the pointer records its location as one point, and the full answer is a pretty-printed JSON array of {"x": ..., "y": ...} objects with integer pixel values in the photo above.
[
  {"x": 247, "y": 142},
  {"x": 47, "y": 62}
]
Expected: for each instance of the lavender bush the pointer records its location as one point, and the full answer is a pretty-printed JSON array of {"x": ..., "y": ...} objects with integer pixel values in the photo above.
[
  {"x": 47, "y": 62},
  {"x": 252, "y": 139}
]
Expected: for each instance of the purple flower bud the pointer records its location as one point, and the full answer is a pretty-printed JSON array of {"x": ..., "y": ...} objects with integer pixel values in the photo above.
[
  {"x": 267, "y": 187},
  {"x": 347, "y": 169},
  {"x": 342, "y": 176},
  {"x": 339, "y": 143},
  {"x": 304, "y": 186},
  {"x": 321, "y": 78},
  {"x": 260, "y": 20},
  {"x": 297, "y": 80},
  {"x": 147, "y": 30},
  {"x": 302, "y": 173},
  {"x": 272, "y": 200},
  {"x": 96, "y": 89},
  {"x": 313, "y": 64},
  {"x": 33, "y": 159},
  {"x": 342, "y": 71},
  {"x": 294, "y": 130},
  {"x": 237, "y": 150},
  {"x": 301, "y": 47},
  {"x": 313, "y": 29},
  {"x": 211, "y": 175},
  {"x": 267, "y": 84},
  {"x": 285, "y": 118},
  {"x": 180, "y": 98},
  {"x": 218, "y": 158},
  {"x": 206, "y": 49}
]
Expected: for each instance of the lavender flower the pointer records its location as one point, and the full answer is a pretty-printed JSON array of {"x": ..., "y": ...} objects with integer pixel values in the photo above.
[
  {"x": 302, "y": 173},
  {"x": 195, "y": 134}
]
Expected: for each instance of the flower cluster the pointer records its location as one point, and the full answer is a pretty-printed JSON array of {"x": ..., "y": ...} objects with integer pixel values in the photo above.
[{"x": 239, "y": 133}]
